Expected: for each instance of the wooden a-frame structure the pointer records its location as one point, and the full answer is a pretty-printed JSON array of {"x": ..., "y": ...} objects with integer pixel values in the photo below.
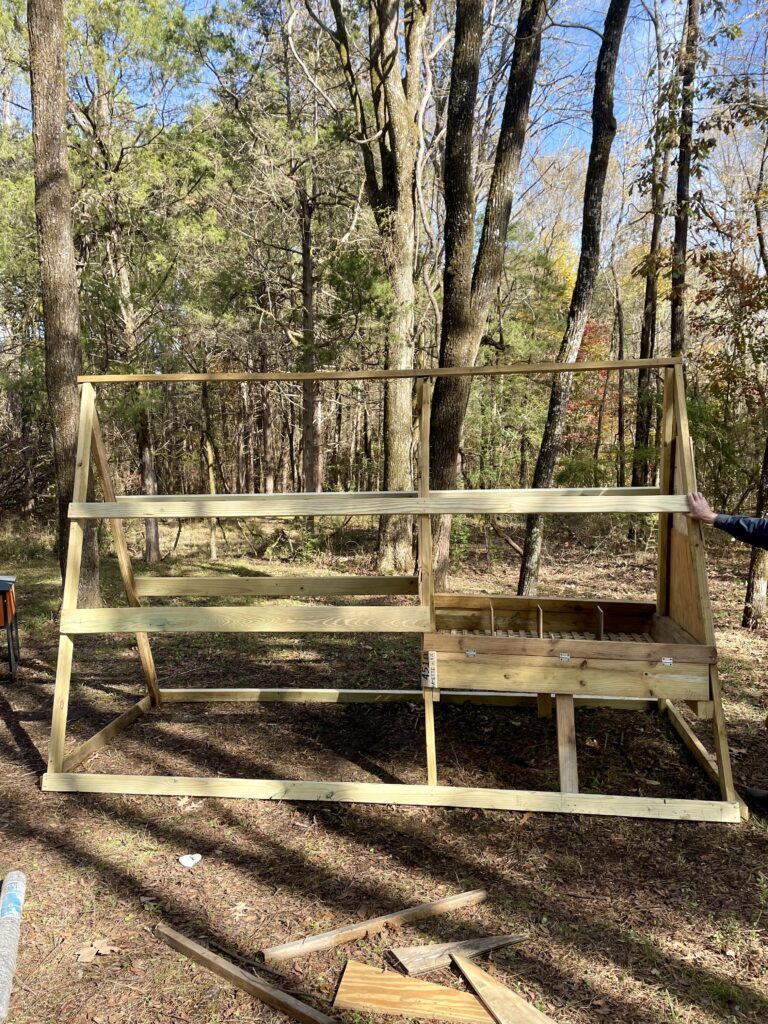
[{"x": 554, "y": 654}]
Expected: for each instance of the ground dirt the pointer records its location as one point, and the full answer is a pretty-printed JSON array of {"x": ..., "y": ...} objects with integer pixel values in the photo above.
[{"x": 628, "y": 921}]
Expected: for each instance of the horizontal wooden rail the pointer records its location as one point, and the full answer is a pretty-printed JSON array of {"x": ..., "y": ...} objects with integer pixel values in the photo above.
[
  {"x": 608, "y": 678},
  {"x": 498, "y": 502},
  {"x": 282, "y": 619},
  {"x": 418, "y": 372},
  {"x": 274, "y": 586},
  {"x": 317, "y": 695},
  {"x": 395, "y": 793},
  {"x": 577, "y": 650}
]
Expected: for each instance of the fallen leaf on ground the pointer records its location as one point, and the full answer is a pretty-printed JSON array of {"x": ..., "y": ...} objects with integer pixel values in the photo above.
[{"x": 97, "y": 947}]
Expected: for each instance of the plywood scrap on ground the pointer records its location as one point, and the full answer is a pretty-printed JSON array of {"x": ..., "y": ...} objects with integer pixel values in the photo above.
[
  {"x": 371, "y": 990},
  {"x": 244, "y": 980},
  {"x": 362, "y": 929},
  {"x": 430, "y": 957},
  {"x": 505, "y": 1006}
]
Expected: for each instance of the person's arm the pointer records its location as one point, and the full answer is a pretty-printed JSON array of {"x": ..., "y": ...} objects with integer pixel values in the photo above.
[{"x": 744, "y": 528}]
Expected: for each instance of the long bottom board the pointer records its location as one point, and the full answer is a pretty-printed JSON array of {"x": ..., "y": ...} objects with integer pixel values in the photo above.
[{"x": 384, "y": 793}]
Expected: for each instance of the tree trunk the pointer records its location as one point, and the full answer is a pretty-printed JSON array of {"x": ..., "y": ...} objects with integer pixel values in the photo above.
[
  {"x": 148, "y": 478},
  {"x": 469, "y": 289},
  {"x": 246, "y": 399},
  {"x": 756, "y": 600},
  {"x": 759, "y": 203},
  {"x": 268, "y": 396},
  {"x": 395, "y": 536},
  {"x": 659, "y": 176},
  {"x": 683, "y": 198},
  {"x": 210, "y": 463},
  {"x": 599, "y": 432},
  {"x": 58, "y": 270},
  {"x": 603, "y": 132},
  {"x": 389, "y": 154},
  {"x": 310, "y": 390}
]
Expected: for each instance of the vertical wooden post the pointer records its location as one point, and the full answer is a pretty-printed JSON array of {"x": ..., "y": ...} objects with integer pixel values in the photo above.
[
  {"x": 426, "y": 577},
  {"x": 666, "y": 487},
  {"x": 124, "y": 560},
  {"x": 566, "y": 743},
  {"x": 429, "y": 725},
  {"x": 685, "y": 461},
  {"x": 543, "y": 700},
  {"x": 71, "y": 580}
]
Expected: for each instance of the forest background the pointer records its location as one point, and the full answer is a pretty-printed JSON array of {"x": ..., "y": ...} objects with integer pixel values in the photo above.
[{"x": 275, "y": 187}]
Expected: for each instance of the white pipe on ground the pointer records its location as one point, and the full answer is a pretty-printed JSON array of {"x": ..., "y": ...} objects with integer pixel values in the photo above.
[{"x": 11, "y": 904}]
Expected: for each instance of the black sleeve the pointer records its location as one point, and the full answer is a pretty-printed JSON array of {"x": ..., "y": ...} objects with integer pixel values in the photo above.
[{"x": 750, "y": 531}]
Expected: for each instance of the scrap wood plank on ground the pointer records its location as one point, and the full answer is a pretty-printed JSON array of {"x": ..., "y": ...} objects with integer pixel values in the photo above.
[
  {"x": 369, "y": 989},
  {"x": 504, "y": 1005},
  {"x": 362, "y": 929},
  {"x": 244, "y": 980},
  {"x": 430, "y": 957}
]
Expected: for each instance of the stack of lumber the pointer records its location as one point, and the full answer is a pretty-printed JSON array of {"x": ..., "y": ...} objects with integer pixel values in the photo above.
[{"x": 375, "y": 990}]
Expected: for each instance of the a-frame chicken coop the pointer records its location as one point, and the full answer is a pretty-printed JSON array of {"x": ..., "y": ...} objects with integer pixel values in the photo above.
[{"x": 554, "y": 654}]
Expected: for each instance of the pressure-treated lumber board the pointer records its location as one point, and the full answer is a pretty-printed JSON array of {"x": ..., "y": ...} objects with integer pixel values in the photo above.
[
  {"x": 289, "y": 696},
  {"x": 504, "y": 602},
  {"x": 666, "y": 631},
  {"x": 596, "y": 677},
  {"x": 578, "y": 649},
  {"x": 499, "y": 502},
  {"x": 504, "y": 1005},
  {"x": 107, "y": 734},
  {"x": 71, "y": 580},
  {"x": 101, "y": 462},
  {"x": 195, "y": 695},
  {"x": 701, "y": 755},
  {"x": 361, "y": 929},
  {"x": 261, "y": 619},
  {"x": 685, "y": 463},
  {"x": 426, "y": 569},
  {"x": 566, "y": 743},
  {"x": 703, "y": 709},
  {"x": 720, "y": 738},
  {"x": 61, "y": 699},
  {"x": 429, "y": 734},
  {"x": 421, "y": 959},
  {"x": 441, "y": 371},
  {"x": 368, "y": 989},
  {"x": 273, "y": 586},
  {"x": 463, "y": 611},
  {"x": 667, "y": 487},
  {"x": 396, "y": 793},
  {"x": 256, "y": 987},
  {"x": 684, "y": 605}
]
